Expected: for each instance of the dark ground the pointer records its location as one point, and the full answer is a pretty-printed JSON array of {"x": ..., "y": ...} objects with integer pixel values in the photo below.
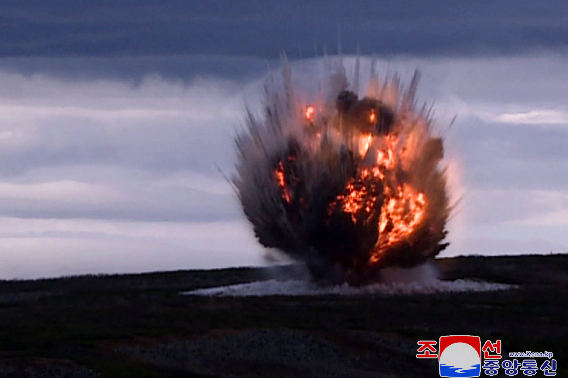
[{"x": 139, "y": 325}]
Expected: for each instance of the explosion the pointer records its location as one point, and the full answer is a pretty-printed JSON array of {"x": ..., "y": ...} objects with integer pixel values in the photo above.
[{"x": 347, "y": 185}]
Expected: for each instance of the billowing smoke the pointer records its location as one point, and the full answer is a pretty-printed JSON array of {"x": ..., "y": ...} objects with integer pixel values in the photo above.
[{"x": 347, "y": 183}]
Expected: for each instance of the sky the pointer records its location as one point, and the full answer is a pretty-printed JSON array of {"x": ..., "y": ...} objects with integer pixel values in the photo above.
[{"x": 116, "y": 121}]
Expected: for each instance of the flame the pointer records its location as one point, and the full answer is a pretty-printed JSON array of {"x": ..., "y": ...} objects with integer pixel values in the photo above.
[
  {"x": 403, "y": 207},
  {"x": 364, "y": 144},
  {"x": 310, "y": 112},
  {"x": 353, "y": 201},
  {"x": 400, "y": 215},
  {"x": 372, "y": 117},
  {"x": 280, "y": 177},
  {"x": 386, "y": 158}
]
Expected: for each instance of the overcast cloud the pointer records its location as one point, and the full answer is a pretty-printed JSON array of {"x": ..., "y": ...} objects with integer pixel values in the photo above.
[
  {"x": 116, "y": 123},
  {"x": 265, "y": 28}
]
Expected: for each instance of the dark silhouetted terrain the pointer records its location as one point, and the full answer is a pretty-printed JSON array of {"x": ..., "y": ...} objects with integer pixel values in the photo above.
[{"x": 140, "y": 326}]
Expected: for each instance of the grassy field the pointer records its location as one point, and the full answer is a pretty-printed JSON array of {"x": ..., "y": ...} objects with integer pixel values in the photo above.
[{"x": 140, "y": 326}]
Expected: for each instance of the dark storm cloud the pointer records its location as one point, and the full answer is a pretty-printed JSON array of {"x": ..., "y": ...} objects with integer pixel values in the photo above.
[
  {"x": 134, "y": 69},
  {"x": 266, "y": 28}
]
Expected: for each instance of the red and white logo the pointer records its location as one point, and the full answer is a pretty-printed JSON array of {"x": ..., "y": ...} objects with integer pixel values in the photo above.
[{"x": 459, "y": 356}]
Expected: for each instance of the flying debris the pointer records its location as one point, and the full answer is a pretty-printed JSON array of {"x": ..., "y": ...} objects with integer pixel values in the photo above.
[{"x": 347, "y": 185}]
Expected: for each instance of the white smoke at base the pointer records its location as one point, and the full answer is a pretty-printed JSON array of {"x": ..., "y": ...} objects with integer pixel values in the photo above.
[{"x": 396, "y": 281}]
